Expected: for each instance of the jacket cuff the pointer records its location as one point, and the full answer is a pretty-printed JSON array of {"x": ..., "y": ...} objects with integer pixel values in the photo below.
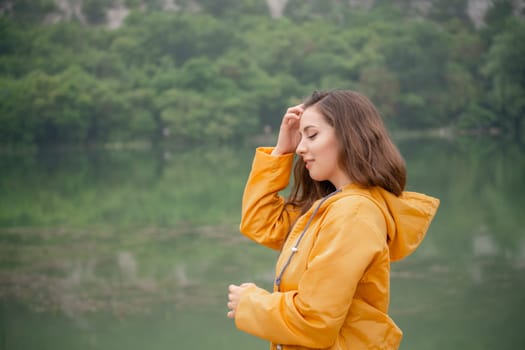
[{"x": 268, "y": 151}]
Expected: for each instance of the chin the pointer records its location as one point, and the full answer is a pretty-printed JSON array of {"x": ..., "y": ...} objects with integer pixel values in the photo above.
[{"x": 317, "y": 178}]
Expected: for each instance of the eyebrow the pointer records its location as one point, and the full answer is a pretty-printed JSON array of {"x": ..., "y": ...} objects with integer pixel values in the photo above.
[{"x": 308, "y": 127}]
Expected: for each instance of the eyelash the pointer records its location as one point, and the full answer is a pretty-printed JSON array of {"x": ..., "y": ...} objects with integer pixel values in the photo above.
[{"x": 311, "y": 137}]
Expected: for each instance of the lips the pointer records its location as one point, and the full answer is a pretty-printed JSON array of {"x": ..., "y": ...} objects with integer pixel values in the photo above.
[{"x": 308, "y": 163}]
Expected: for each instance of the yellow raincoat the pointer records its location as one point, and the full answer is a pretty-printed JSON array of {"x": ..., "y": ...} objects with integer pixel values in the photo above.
[{"x": 334, "y": 291}]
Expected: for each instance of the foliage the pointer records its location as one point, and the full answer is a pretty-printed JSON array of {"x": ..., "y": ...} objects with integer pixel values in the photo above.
[
  {"x": 219, "y": 73},
  {"x": 506, "y": 71}
]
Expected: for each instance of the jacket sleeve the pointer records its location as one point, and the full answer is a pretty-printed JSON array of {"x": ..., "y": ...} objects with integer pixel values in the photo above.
[
  {"x": 265, "y": 217},
  {"x": 312, "y": 315}
]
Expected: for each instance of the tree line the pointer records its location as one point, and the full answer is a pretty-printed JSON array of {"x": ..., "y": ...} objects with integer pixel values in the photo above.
[{"x": 213, "y": 76}]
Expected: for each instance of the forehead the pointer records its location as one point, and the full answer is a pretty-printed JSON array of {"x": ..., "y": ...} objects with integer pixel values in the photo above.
[{"x": 312, "y": 117}]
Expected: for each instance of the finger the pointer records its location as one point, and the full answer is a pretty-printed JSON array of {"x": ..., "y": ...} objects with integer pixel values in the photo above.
[
  {"x": 230, "y": 314},
  {"x": 291, "y": 119},
  {"x": 294, "y": 116},
  {"x": 247, "y": 284},
  {"x": 232, "y": 287},
  {"x": 296, "y": 109}
]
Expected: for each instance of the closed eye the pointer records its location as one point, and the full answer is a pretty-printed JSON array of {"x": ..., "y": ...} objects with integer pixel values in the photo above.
[{"x": 311, "y": 137}]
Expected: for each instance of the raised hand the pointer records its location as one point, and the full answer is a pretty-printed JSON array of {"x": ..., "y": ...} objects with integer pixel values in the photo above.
[{"x": 289, "y": 135}]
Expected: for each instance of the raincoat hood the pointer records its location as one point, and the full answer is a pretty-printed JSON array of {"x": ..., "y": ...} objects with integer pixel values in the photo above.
[{"x": 407, "y": 217}]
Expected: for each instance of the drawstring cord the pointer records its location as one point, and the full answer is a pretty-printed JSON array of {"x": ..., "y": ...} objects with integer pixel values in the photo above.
[{"x": 296, "y": 245}]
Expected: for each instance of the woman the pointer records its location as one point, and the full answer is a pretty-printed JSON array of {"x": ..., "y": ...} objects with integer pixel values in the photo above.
[{"x": 347, "y": 217}]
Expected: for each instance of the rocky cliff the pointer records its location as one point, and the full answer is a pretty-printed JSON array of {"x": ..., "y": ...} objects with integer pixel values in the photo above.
[{"x": 113, "y": 12}]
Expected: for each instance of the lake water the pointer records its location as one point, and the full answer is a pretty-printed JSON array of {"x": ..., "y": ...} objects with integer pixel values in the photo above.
[{"x": 134, "y": 249}]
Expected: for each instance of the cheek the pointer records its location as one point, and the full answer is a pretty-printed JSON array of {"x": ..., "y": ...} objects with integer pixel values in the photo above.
[
  {"x": 332, "y": 150},
  {"x": 334, "y": 156}
]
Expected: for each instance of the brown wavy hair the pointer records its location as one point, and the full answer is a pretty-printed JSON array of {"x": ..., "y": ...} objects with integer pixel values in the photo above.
[{"x": 368, "y": 155}]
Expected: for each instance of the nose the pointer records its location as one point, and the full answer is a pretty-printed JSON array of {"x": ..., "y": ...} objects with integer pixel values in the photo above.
[{"x": 301, "y": 148}]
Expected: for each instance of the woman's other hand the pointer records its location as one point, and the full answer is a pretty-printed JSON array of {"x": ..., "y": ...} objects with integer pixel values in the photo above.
[{"x": 234, "y": 295}]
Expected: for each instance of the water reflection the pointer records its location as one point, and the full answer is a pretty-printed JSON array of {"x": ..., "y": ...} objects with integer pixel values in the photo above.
[{"x": 133, "y": 249}]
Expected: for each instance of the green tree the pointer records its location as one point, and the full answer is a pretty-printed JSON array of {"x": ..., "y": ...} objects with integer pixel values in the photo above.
[
  {"x": 445, "y": 10},
  {"x": 418, "y": 55},
  {"x": 506, "y": 72},
  {"x": 211, "y": 74},
  {"x": 181, "y": 36},
  {"x": 28, "y": 10},
  {"x": 95, "y": 10},
  {"x": 233, "y": 8}
]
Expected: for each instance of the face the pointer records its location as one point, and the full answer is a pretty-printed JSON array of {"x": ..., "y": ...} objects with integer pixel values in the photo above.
[{"x": 319, "y": 148}]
